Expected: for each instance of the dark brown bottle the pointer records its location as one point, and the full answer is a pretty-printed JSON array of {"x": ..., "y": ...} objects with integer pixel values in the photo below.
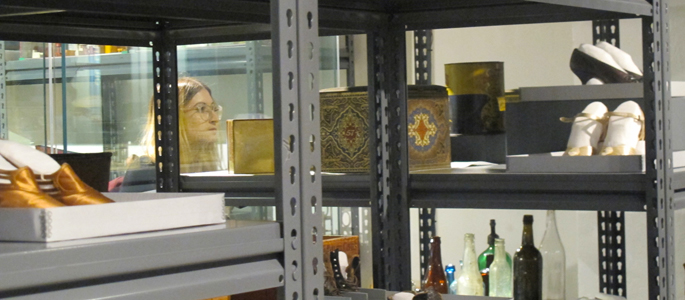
[
  {"x": 527, "y": 266},
  {"x": 435, "y": 275}
]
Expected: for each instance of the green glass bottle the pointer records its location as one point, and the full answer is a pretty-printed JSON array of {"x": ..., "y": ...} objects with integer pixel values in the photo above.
[{"x": 487, "y": 256}]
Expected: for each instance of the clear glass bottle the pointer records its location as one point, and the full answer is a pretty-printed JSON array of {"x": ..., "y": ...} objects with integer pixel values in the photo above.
[
  {"x": 486, "y": 257},
  {"x": 500, "y": 272},
  {"x": 527, "y": 266},
  {"x": 554, "y": 258},
  {"x": 435, "y": 274},
  {"x": 470, "y": 281}
]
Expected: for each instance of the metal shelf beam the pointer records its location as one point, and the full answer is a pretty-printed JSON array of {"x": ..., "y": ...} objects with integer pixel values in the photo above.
[
  {"x": 474, "y": 189},
  {"x": 32, "y": 267},
  {"x": 203, "y": 283}
]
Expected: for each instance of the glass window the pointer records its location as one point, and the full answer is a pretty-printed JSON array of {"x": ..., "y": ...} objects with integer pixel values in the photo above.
[{"x": 99, "y": 102}]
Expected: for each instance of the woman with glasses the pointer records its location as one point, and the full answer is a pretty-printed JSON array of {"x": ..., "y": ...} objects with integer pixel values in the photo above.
[{"x": 198, "y": 127}]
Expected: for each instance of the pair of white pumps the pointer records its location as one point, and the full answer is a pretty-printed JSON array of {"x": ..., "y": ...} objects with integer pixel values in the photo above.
[{"x": 597, "y": 131}]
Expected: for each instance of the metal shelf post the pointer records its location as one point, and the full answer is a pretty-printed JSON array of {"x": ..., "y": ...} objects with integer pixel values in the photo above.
[
  {"x": 296, "y": 141},
  {"x": 660, "y": 193},
  {"x": 389, "y": 157},
  {"x": 165, "y": 80},
  {"x": 255, "y": 78},
  {"x": 610, "y": 224},
  {"x": 423, "y": 42},
  {"x": 4, "y": 131}
]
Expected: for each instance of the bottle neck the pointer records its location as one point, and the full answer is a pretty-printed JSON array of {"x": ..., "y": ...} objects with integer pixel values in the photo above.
[
  {"x": 551, "y": 221},
  {"x": 436, "y": 254},
  {"x": 527, "y": 238},
  {"x": 500, "y": 252},
  {"x": 493, "y": 235},
  {"x": 470, "y": 259}
]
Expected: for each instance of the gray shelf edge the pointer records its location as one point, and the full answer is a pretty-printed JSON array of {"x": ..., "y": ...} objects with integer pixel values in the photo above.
[
  {"x": 678, "y": 179},
  {"x": 468, "y": 190},
  {"x": 205, "y": 283},
  {"x": 637, "y": 7},
  {"x": 531, "y": 200},
  {"x": 633, "y": 91},
  {"x": 25, "y": 268},
  {"x": 679, "y": 201}
]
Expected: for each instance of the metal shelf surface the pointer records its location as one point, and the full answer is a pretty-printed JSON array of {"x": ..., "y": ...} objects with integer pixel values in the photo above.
[{"x": 29, "y": 268}]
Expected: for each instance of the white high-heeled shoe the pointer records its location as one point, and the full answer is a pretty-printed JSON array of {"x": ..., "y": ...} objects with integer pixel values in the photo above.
[
  {"x": 594, "y": 81},
  {"x": 622, "y": 58},
  {"x": 5, "y": 166},
  {"x": 21, "y": 155},
  {"x": 587, "y": 130},
  {"x": 625, "y": 129},
  {"x": 588, "y": 62}
]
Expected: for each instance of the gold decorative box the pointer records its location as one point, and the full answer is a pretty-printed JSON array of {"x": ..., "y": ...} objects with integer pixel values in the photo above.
[
  {"x": 250, "y": 146},
  {"x": 344, "y": 129}
]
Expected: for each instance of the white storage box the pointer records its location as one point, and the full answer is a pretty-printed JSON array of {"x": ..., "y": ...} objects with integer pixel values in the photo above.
[
  {"x": 556, "y": 163},
  {"x": 131, "y": 212}
]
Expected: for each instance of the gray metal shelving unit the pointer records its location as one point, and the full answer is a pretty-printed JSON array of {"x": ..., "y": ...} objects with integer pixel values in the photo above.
[{"x": 391, "y": 190}]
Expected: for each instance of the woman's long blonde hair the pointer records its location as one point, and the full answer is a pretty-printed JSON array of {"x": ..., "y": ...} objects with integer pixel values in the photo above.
[{"x": 195, "y": 157}]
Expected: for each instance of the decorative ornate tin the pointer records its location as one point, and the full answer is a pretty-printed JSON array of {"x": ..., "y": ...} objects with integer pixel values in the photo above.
[{"x": 344, "y": 129}]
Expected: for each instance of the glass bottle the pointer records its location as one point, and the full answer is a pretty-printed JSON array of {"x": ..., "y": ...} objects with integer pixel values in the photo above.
[
  {"x": 435, "y": 274},
  {"x": 449, "y": 271},
  {"x": 500, "y": 272},
  {"x": 554, "y": 258},
  {"x": 486, "y": 257},
  {"x": 527, "y": 266},
  {"x": 470, "y": 282},
  {"x": 457, "y": 272}
]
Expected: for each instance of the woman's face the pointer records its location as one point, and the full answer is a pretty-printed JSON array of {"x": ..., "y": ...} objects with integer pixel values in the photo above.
[{"x": 202, "y": 117}]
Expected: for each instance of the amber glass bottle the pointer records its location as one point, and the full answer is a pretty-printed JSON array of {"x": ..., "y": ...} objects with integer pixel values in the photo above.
[
  {"x": 527, "y": 266},
  {"x": 435, "y": 275}
]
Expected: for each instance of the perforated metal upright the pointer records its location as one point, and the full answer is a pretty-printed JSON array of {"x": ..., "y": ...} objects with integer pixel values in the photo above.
[
  {"x": 659, "y": 189},
  {"x": 3, "y": 96},
  {"x": 423, "y": 41},
  {"x": 165, "y": 80},
  {"x": 255, "y": 78},
  {"x": 389, "y": 156},
  {"x": 610, "y": 224},
  {"x": 296, "y": 139}
]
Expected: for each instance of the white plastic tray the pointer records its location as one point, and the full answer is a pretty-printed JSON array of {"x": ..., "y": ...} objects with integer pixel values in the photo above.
[{"x": 131, "y": 213}]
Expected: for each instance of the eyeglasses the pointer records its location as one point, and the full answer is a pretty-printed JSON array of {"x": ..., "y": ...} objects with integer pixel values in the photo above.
[{"x": 204, "y": 110}]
